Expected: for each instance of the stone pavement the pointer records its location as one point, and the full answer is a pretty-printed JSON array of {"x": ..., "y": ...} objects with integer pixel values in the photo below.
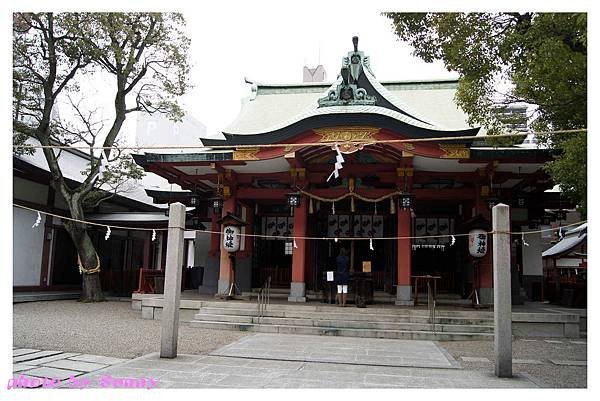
[
  {"x": 305, "y": 362},
  {"x": 349, "y": 350},
  {"x": 32, "y": 366}
]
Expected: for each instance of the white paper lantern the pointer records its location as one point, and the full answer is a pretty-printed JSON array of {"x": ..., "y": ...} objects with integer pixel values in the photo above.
[
  {"x": 231, "y": 238},
  {"x": 478, "y": 243}
]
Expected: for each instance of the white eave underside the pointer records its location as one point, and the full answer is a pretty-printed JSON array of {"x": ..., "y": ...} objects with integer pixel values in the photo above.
[{"x": 272, "y": 111}]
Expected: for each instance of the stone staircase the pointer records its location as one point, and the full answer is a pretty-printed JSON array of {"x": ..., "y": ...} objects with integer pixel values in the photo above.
[
  {"x": 378, "y": 296},
  {"x": 370, "y": 322}
]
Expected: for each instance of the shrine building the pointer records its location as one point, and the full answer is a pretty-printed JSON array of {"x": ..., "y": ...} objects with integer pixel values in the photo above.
[{"x": 401, "y": 177}]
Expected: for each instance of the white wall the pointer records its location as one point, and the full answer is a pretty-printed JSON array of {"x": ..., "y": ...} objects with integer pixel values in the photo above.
[
  {"x": 27, "y": 247},
  {"x": 532, "y": 254}
]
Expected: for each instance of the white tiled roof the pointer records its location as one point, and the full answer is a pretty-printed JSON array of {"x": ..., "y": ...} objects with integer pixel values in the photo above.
[{"x": 274, "y": 107}]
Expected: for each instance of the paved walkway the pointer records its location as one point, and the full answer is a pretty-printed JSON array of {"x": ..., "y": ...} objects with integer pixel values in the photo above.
[
  {"x": 348, "y": 350},
  {"x": 305, "y": 367}
]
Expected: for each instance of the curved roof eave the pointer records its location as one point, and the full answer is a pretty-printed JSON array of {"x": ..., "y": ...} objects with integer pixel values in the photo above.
[{"x": 341, "y": 115}]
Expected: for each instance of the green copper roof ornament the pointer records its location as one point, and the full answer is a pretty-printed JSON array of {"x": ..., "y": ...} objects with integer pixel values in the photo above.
[{"x": 348, "y": 92}]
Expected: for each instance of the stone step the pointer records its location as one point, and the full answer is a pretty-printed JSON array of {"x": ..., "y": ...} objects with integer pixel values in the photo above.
[
  {"x": 349, "y": 324},
  {"x": 338, "y": 314},
  {"x": 369, "y": 310},
  {"x": 345, "y": 332}
]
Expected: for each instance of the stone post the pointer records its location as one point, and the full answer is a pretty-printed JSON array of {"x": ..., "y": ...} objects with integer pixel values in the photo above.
[
  {"x": 172, "y": 294},
  {"x": 502, "y": 293}
]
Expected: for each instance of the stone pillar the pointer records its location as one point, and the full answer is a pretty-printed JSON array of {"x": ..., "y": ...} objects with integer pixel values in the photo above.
[
  {"x": 298, "y": 285},
  {"x": 403, "y": 291},
  {"x": 502, "y": 293},
  {"x": 173, "y": 271},
  {"x": 226, "y": 264}
]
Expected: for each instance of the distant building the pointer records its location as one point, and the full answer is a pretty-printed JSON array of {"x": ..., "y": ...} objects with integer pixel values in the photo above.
[{"x": 316, "y": 74}]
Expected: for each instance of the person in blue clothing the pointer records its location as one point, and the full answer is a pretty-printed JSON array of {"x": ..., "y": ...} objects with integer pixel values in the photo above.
[{"x": 342, "y": 276}]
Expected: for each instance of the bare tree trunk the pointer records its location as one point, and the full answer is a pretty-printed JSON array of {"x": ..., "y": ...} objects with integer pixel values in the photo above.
[{"x": 91, "y": 287}]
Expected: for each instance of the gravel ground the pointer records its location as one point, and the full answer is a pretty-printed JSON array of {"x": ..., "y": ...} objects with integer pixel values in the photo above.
[
  {"x": 546, "y": 374},
  {"x": 107, "y": 328}
]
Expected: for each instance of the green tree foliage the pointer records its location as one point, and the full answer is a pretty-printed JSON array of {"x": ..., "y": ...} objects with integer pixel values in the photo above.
[
  {"x": 539, "y": 59},
  {"x": 145, "y": 54}
]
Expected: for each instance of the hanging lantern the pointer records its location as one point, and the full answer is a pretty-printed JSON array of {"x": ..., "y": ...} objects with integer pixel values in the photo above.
[
  {"x": 231, "y": 232},
  {"x": 492, "y": 201},
  {"x": 217, "y": 202},
  {"x": 406, "y": 200},
  {"x": 231, "y": 238},
  {"x": 477, "y": 243},
  {"x": 293, "y": 199}
]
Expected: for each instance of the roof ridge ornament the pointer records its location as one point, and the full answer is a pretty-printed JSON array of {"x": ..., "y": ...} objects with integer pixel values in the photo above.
[{"x": 348, "y": 93}]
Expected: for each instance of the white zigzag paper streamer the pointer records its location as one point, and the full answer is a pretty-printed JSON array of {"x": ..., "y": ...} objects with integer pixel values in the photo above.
[
  {"x": 37, "y": 221},
  {"x": 339, "y": 161}
]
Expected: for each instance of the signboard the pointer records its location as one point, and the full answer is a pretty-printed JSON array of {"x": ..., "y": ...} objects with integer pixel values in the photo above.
[
  {"x": 477, "y": 243},
  {"x": 329, "y": 276},
  {"x": 231, "y": 238},
  {"x": 366, "y": 266}
]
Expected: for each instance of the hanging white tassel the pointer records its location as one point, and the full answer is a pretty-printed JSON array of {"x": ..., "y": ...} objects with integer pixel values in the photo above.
[
  {"x": 295, "y": 245},
  {"x": 333, "y": 208},
  {"x": 335, "y": 239},
  {"x": 153, "y": 235},
  {"x": 523, "y": 239},
  {"x": 37, "y": 221},
  {"x": 256, "y": 209},
  {"x": 107, "y": 236},
  {"x": 352, "y": 207},
  {"x": 310, "y": 206},
  {"x": 392, "y": 206},
  {"x": 371, "y": 244},
  {"x": 375, "y": 209},
  {"x": 339, "y": 161},
  {"x": 453, "y": 241}
]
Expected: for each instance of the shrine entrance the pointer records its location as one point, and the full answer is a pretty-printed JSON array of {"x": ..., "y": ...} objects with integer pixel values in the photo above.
[{"x": 353, "y": 229}]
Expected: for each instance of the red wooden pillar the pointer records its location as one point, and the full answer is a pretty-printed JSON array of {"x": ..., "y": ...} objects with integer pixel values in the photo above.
[
  {"x": 403, "y": 291},
  {"x": 298, "y": 284},
  {"x": 225, "y": 266}
]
